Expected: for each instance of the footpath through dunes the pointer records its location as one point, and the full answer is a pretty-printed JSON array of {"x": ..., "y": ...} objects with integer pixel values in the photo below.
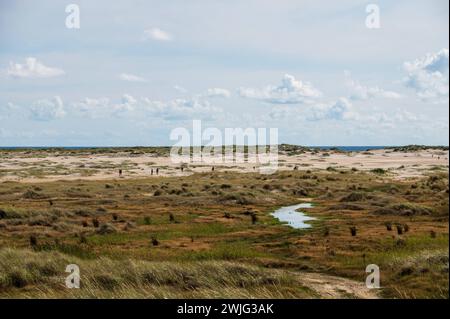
[
  {"x": 41, "y": 166},
  {"x": 332, "y": 287},
  {"x": 30, "y": 274}
]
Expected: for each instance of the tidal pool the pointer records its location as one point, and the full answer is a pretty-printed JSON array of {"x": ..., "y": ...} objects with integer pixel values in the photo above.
[{"x": 292, "y": 217}]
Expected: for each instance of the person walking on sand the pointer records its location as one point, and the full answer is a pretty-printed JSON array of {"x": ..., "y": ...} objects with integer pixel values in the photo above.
[
  {"x": 212, "y": 169},
  {"x": 157, "y": 171},
  {"x": 152, "y": 171},
  {"x": 120, "y": 173}
]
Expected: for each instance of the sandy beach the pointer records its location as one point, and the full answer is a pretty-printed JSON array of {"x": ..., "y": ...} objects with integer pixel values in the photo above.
[{"x": 34, "y": 167}]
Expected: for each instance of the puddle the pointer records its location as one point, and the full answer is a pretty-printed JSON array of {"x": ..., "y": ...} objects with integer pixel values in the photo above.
[{"x": 292, "y": 217}]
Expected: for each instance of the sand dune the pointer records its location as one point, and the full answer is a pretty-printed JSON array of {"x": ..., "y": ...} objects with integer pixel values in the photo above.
[{"x": 30, "y": 167}]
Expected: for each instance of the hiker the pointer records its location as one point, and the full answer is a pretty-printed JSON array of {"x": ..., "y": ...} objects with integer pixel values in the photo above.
[
  {"x": 295, "y": 168},
  {"x": 157, "y": 171},
  {"x": 182, "y": 168},
  {"x": 212, "y": 169},
  {"x": 120, "y": 172},
  {"x": 152, "y": 171}
]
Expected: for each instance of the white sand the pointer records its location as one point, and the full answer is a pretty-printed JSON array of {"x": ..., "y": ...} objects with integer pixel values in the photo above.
[{"x": 99, "y": 167}]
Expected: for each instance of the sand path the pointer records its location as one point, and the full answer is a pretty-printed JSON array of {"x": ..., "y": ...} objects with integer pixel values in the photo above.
[{"x": 332, "y": 287}]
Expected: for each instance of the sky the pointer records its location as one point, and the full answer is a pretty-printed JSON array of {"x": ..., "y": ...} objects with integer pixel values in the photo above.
[{"x": 322, "y": 72}]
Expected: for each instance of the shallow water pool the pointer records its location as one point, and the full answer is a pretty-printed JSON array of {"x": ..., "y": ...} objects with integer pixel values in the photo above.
[{"x": 292, "y": 217}]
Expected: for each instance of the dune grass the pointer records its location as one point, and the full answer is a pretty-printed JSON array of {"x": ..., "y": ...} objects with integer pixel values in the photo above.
[
  {"x": 214, "y": 220},
  {"x": 25, "y": 273}
]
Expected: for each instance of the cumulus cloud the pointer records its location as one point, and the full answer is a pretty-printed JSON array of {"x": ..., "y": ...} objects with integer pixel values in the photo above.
[
  {"x": 129, "y": 106},
  {"x": 393, "y": 119},
  {"x": 180, "y": 89},
  {"x": 290, "y": 91},
  {"x": 217, "y": 92},
  {"x": 209, "y": 93},
  {"x": 32, "y": 68},
  {"x": 157, "y": 34},
  {"x": 131, "y": 78},
  {"x": 47, "y": 109},
  {"x": 179, "y": 109},
  {"x": 405, "y": 116},
  {"x": 103, "y": 107},
  {"x": 281, "y": 112},
  {"x": 338, "y": 110},
  {"x": 428, "y": 76},
  {"x": 92, "y": 107},
  {"x": 361, "y": 92}
]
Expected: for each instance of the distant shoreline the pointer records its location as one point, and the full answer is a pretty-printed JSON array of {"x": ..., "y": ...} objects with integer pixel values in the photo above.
[
  {"x": 51, "y": 164},
  {"x": 347, "y": 148}
]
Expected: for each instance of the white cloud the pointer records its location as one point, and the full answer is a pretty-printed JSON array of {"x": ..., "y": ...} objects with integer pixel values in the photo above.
[
  {"x": 127, "y": 105},
  {"x": 394, "y": 119},
  {"x": 180, "y": 89},
  {"x": 291, "y": 91},
  {"x": 102, "y": 107},
  {"x": 338, "y": 110},
  {"x": 405, "y": 116},
  {"x": 179, "y": 109},
  {"x": 157, "y": 34},
  {"x": 281, "y": 112},
  {"x": 47, "y": 109},
  {"x": 131, "y": 78},
  {"x": 217, "y": 92},
  {"x": 32, "y": 68},
  {"x": 428, "y": 76},
  {"x": 361, "y": 92},
  {"x": 91, "y": 107}
]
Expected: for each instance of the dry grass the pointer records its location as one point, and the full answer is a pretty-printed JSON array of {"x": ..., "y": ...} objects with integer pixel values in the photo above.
[
  {"x": 26, "y": 274},
  {"x": 220, "y": 220}
]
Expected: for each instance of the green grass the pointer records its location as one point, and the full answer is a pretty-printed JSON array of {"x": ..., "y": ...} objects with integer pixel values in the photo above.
[
  {"x": 225, "y": 251},
  {"x": 390, "y": 249}
]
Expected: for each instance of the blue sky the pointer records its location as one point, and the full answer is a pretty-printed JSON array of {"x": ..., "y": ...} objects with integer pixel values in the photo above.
[{"x": 137, "y": 69}]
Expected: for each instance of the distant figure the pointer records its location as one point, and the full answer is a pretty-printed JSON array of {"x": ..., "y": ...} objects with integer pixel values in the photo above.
[
  {"x": 152, "y": 171},
  {"x": 212, "y": 169},
  {"x": 157, "y": 171},
  {"x": 182, "y": 169},
  {"x": 120, "y": 172},
  {"x": 254, "y": 167},
  {"x": 295, "y": 168}
]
